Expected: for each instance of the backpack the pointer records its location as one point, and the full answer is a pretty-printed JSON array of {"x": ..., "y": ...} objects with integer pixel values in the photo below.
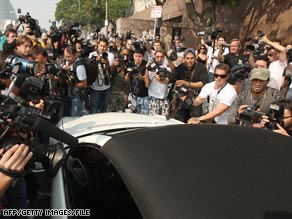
[{"x": 90, "y": 67}]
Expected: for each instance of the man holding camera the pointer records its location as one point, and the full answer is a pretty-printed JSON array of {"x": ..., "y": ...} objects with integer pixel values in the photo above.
[
  {"x": 100, "y": 90},
  {"x": 190, "y": 75},
  {"x": 119, "y": 97},
  {"x": 158, "y": 85},
  {"x": 138, "y": 83},
  {"x": 77, "y": 84},
  {"x": 232, "y": 58},
  {"x": 220, "y": 95},
  {"x": 258, "y": 98}
]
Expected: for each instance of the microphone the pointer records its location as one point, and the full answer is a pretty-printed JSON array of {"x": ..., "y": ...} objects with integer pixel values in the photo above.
[{"x": 44, "y": 126}]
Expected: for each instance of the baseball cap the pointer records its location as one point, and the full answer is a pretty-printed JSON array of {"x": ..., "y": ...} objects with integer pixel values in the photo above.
[
  {"x": 190, "y": 50},
  {"x": 260, "y": 73}
]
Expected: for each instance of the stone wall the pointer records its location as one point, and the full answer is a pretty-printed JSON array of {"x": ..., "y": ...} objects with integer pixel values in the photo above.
[{"x": 137, "y": 26}]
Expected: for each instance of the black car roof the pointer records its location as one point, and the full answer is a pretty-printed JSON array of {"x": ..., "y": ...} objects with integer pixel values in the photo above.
[{"x": 205, "y": 171}]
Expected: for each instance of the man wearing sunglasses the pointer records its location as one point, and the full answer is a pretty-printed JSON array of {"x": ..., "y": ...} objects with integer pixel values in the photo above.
[
  {"x": 259, "y": 97},
  {"x": 220, "y": 95},
  {"x": 277, "y": 56}
]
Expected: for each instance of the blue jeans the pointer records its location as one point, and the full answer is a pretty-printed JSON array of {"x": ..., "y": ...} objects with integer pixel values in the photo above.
[
  {"x": 141, "y": 103},
  {"x": 99, "y": 100},
  {"x": 76, "y": 106}
]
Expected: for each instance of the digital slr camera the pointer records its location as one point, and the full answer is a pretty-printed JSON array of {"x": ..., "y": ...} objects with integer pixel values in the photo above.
[
  {"x": 133, "y": 71},
  {"x": 163, "y": 73}
]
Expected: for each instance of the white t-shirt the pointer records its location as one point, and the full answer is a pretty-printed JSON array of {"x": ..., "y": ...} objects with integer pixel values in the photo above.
[
  {"x": 215, "y": 59},
  {"x": 276, "y": 73},
  {"x": 225, "y": 95},
  {"x": 157, "y": 89}
]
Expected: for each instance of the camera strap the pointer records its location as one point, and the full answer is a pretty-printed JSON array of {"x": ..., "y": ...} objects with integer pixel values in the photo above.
[
  {"x": 193, "y": 72},
  {"x": 13, "y": 173}
]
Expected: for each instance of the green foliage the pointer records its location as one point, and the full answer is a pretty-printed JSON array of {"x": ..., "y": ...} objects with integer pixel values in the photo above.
[{"x": 90, "y": 12}]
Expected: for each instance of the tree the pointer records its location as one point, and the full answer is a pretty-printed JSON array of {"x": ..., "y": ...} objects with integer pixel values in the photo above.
[
  {"x": 90, "y": 13},
  {"x": 207, "y": 17}
]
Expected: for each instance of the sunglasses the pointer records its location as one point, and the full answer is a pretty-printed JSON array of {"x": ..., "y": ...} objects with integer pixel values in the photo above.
[
  {"x": 270, "y": 54},
  {"x": 221, "y": 76}
]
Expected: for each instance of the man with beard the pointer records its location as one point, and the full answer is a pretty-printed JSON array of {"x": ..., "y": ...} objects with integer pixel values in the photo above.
[
  {"x": 258, "y": 97},
  {"x": 191, "y": 75}
]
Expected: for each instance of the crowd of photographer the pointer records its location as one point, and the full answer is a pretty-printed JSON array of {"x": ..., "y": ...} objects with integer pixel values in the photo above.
[{"x": 60, "y": 73}]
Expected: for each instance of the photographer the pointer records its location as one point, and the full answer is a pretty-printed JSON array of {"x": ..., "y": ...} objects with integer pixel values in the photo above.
[
  {"x": 258, "y": 98},
  {"x": 220, "y": 95},
  {"x": 190, "y": 74},
  {"x": 282, "y": 123},
  {"x": 119, "y": 96},
  {"x": 232, "y": 58},
  {"x": 138, "y": 83},
  {"x": 158, "y": 88},
  {"x": 100, "y": 90},
  {"x": 77, "y": 84},
  {"x": 277, "y": 56},
  {"x": 213, "y": 59}
]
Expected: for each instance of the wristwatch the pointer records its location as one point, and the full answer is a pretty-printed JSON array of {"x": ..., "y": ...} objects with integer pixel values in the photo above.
[{"x": 201, "y": 119}]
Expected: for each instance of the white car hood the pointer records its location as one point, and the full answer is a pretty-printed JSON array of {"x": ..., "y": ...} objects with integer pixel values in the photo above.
[{"x": 84, "y": 125}]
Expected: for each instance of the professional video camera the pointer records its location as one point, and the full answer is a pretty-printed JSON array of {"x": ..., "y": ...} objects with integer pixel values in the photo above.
[
  {"x": 250, "y": 115},
  {"x": 256, "y": 45},
  {"x": 213, "y": 34},
  {"x": 240, "y": 72},
  {"x": 55, "y": 32},
  {"x": 32, "y": 23}
]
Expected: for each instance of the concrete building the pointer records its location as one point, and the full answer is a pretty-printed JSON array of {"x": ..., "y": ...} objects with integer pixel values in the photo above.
[{"x": 7, "y": 14}]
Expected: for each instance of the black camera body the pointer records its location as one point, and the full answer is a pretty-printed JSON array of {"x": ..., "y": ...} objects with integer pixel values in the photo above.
[
  {"x": 133, "y": 71},
  {"x": 163, "y": 73},
  {"x": 153, "y": 66},
  {"x": 32, "y": 23},
  {"x": 256, "y": 45},
  {"x": 240, "y": 72},
  {"x": 250, "y": 115},
  {"x": 123, "y": 60}
]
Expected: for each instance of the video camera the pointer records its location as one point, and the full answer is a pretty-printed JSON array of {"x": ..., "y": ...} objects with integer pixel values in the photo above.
[
  {"x": 240, "y": 71},
  {"x": 32, "y": 23},
  {"x": 250, "y": 115},
  {"x": 56, "y": 33},
  {"x": 256, "y": 45},
  {"x": 213, "y": 34}
]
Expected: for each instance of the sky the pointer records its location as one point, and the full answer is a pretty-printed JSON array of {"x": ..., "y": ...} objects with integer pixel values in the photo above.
[{"x": 42, "y": 10}]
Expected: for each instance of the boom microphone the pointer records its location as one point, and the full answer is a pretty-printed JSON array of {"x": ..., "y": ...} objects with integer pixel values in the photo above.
[{"x": 43, "y": 126}]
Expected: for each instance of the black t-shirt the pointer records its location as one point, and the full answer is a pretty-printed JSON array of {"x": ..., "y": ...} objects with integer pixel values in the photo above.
[
  {"x": 181, "y": 72},
  {"x": 233, "y": 60},
  {"x": 137, "y": 86}
]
